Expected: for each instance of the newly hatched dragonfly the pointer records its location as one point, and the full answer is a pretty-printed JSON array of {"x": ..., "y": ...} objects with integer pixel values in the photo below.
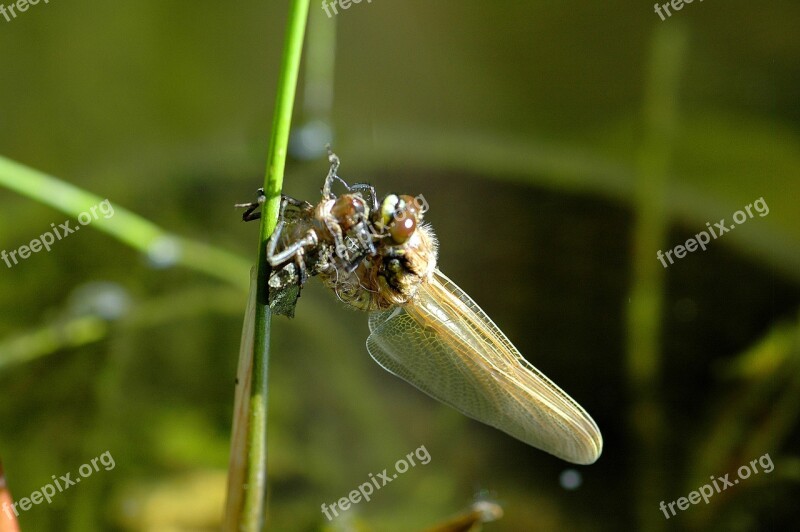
[{"x": 380, "y": 257}]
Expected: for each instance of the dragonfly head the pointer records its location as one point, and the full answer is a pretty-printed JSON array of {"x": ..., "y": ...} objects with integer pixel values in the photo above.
[{"x": 400, "y": 216}]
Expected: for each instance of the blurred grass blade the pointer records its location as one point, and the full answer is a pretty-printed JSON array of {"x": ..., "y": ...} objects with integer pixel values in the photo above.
[
  {"x": 124, "y": 225},
  {"x": 755, "y": 417},
  {"x": 646, "y": 302},
  {"x": 49, "y": 339},
  {"x": 757, "y": 413}
]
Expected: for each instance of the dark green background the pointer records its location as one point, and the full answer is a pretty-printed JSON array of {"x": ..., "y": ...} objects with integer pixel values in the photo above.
[{"x": 525, "y": 126}]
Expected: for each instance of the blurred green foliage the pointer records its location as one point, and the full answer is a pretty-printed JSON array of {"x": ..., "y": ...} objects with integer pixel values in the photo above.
[{"x": 524, "y": 125}]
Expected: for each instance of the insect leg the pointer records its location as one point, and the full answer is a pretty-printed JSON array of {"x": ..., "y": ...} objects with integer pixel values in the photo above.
[
  {"x": 358, "y": 187},
  {"x": 288, "y": 200},
  {"x": 364, "y": 236},
  {"x": 336, "y": 231},
  {"x": 295, "y": 249},
  {"x": 276, "y": 233},
  {"x": 334, "y": 160},
  {"x": 249, "y": 215},
  {"x": 370, "y": 192},
  {"x": 301, "y": 268},
  {"x": 273, "y": 243}
]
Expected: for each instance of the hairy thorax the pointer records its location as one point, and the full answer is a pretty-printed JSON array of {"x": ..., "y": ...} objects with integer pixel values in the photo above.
[{"x": 388, "y": 278}]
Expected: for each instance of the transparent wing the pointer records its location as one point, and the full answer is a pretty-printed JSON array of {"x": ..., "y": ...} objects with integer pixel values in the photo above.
[{"x": 445, "y": 345}]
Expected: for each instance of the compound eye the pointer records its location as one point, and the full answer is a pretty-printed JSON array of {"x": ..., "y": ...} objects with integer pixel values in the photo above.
[
  {"x": 408, "y": 205},
  {"x": 402, "y": 228},
  {"x": 388, "y": 206}
]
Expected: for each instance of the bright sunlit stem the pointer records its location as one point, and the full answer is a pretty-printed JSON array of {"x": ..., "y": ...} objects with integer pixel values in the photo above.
[{"x": 254, "y": 509}]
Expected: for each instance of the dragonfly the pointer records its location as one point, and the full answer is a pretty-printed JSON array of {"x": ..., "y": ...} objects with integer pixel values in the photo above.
[{"x": 381, "y": 257}]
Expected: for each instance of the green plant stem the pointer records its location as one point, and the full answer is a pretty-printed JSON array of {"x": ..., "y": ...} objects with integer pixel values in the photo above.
[
  {"x": 646, "y": 302},
  {"x": 124, "y": 225},
  {"x": 256, "y": 475}
]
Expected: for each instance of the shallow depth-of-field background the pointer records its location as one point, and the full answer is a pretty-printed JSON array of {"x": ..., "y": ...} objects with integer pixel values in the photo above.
[{"x": 560, "y": 146}]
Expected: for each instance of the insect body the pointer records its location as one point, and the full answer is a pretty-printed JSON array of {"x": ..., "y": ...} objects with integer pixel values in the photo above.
[{"x": 381, "y": 257}]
